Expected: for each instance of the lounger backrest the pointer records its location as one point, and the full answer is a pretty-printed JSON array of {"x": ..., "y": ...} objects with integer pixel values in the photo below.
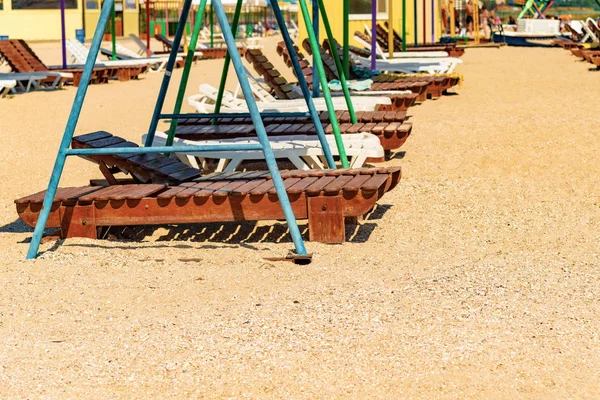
[
  {"x": 143, "y": 48},
  {"x": 273, "y": 78},
  {"x": 20, "y": 57}
]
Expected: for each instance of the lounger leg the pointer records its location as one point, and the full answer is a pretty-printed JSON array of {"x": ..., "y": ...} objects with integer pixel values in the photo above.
[
  {"x": 326, "y": 220},
  {"x": 297, "y": 161},
  {"x": 78, "y": 221}
]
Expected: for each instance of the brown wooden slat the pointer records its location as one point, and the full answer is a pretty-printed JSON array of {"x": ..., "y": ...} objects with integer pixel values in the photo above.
[
  {"x": 247, "y": 187},
  {"x": 262, "y": 188},
  {"x": 105, "y": 193},
  {"x": 335, "y": 186},
  {"x": 101, "y": 143},
  {"x": 210, "y": 189},
  {"x": 185, "y": 174},
  {"x": 302, "y": 185},
  {"x": 192, "y": 189},
  {"x": 139, "y": 192},
  {"x": 286, "y": 183},
  {"x": 356, "y": 183},
  {"x": 89, "y": 137},
  {"x": 318, "y": 186},
  {"x": 375, "y": 182},
  {"x": 226, "y": 190}
]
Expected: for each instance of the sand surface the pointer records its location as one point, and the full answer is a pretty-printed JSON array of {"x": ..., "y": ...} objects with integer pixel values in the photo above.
[{"x": 476, "y": 278}]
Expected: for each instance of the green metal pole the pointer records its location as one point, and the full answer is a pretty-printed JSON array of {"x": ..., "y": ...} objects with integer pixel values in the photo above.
[
  {"x": 234, "y": 29},
  {"x": 403, "y": 22},
  {"x": 186, "y": 71},
  {"x": 323, "y": 79},
  {"x": 338, "y": 63},
  {"x": 113, "y": 31},
  {"x": 346, "y": 28},
  {"x": 212, "y": 27}
]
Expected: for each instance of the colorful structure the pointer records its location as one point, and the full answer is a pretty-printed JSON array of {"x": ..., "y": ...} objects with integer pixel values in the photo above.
[
  {"x": 257, "y": 119},
  {"x": 41, "y": 20},
  {"x": 427, "y": 27}
]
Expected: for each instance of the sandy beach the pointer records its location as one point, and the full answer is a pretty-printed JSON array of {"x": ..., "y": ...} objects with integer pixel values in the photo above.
[{"x": 477, "y": 277}]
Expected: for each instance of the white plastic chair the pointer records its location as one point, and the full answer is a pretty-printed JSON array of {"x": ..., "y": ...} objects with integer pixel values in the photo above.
[{"x": 304, "y": 151}]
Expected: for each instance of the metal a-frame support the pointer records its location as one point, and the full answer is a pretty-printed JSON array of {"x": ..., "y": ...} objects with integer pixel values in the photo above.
[{"x": 65, "y": 150}]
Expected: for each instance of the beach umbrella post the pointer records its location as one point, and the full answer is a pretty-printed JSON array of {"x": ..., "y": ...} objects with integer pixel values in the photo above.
[
  {"x": 415, "y": 22},
  {"x": 403, "y": 21},
  {"x": 147, "y": 28},
  {"x": 113, "y": 31},
  {"x": 424, "y": 21},
  {"x": 63, "y": 33},
  {"x": 432, "y": 21},
  {"x": 315, "y": 15},
  {"x": 346, "y": 55},
  {"x": 212, "y": 27},
  {"x": 373, "y": 37},
  {"x": 391, "y": 28}
]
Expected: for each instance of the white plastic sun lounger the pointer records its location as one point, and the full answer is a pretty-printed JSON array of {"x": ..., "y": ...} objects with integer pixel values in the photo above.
[
  {"x": 143, "y": 50},
  {"x": 80, "y": 53},
  {"x": 6, "y": 85},
  {"x": 304, "y": 151},
  {"x": 414, "y": 65},
  {"x": 25, "y": 81},
  {"x": 205, "y": 101},
  {"x": 157, "y": 63},
  {"x": 399, "y": 54}
]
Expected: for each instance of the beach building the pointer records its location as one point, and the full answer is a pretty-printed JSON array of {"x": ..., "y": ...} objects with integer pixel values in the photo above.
[
  {"x": 428, "y": 18},
  {"x": 40, "y": 19}
]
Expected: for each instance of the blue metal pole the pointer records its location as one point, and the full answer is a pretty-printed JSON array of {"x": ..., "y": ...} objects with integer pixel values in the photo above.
[
  {"x": 69, "y": 130},
  {"x": 164, "y": 87},
  {"x": 316, "y": 92},
  {"x": 234, "y": 27},
  {"x": 303, "y": 85},
  {"x": 186, "y": 72},
  {"x": 62, "y": 34},
  {"x": 260, "y": 128}
]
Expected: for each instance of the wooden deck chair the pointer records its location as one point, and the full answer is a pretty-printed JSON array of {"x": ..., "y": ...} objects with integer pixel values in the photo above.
[
  {"x": 156, "y": 63},
  {"x": 437, "y": 83},
  {"x": 390, "y": 127},
  {"x": 284, "y": 90},
  {"x": 324, "y": 197},
  {"x": 426, "y": 53},
  {"x": 19, "y": 56},
  {"x": 235, "y": 104},
  {"x": 203, "y": 53},
  {"x": 303, "y": 151}
]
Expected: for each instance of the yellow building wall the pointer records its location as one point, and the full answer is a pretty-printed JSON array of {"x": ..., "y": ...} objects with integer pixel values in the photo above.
[
  {"x": 334, "y": 12},
  {"x": 38, "y": 24},
  {"x": 45, "y": 24},
  {"x": 131, "y": 23}
]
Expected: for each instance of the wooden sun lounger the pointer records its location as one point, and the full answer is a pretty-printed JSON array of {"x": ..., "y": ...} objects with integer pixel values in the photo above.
[
  {"x": 392, "y": 135},
  {"x": 207, "y": 53},
  {"x": 416, "y": 86},
  {"x": 382, "y": 39},
  {"x": 324, "y": 197},
  {"x": 436, "y": 84},
  {"x": 21, "y": 58},
  {"x": 284, "y": 90}
]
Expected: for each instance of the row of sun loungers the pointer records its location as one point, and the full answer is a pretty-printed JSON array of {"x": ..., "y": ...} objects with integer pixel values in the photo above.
[
  {"x": 166, "y": 191},
  {"x": 212, "y": 186},
  {"x": 584, "y": 44}
]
